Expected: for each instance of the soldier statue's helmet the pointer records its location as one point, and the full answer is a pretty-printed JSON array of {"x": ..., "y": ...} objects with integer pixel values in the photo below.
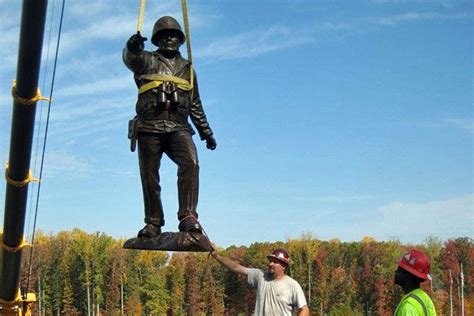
[{"x": 166, "y": 23}]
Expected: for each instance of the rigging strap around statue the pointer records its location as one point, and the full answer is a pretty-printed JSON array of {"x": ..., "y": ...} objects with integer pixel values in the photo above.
[{"x": 158, "y": 79}]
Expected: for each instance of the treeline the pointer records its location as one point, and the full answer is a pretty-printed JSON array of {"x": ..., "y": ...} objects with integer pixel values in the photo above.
[{"x": 74, "y": 272}]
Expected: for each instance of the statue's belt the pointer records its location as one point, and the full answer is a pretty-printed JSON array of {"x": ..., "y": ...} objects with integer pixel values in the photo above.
[{"x": 157, "y": 79}]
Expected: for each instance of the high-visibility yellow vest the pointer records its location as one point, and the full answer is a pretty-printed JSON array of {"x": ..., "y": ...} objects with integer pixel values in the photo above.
[{"x": 415, "y": 303}]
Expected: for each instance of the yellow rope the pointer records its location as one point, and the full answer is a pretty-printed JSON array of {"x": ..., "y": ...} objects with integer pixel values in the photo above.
[
  {"x": 24, "y": 101},
  {"x": 19, "y": 184},
  {"x": 22, "y": 245}
]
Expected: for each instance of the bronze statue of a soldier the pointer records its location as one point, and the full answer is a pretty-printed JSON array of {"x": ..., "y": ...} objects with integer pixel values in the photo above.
[{"x": 168, "y": 95}]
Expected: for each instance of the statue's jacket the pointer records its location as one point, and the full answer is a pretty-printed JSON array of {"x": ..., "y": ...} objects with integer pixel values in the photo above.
[{"x": 155, "y": 116}]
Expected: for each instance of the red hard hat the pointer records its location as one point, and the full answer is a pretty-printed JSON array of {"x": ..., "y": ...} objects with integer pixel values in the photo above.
[
  {"x": 281, "y": 255},
  {"x": 417, "y": 263}
]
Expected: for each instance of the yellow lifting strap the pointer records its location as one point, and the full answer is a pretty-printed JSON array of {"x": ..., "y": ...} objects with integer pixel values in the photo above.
[
  {"x": 186, "y": 29},
  {"x": 155, "y": 79},
  {"x": 22, "y": 245},
  {"x": 158, "y": 79},
  {"x": 141, "y": 14},
  {"x": 22, "y": 183},
  {"x": 24, "y": 101}
]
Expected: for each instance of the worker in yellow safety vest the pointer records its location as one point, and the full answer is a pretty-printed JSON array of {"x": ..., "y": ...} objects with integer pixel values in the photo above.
[{"x": 413, "y": 269}]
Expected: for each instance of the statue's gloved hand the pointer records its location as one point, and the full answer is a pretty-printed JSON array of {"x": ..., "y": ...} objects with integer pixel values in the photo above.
[
  {"x": 136, "y": 43},
  {"x": 211, "y": 142}
]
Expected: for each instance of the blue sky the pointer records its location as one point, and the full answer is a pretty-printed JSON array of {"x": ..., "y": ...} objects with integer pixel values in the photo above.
[{"x": 339, "y": 118}]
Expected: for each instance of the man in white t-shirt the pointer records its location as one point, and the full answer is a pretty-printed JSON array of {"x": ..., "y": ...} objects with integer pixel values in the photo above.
[{"x": 277, "y": 293}]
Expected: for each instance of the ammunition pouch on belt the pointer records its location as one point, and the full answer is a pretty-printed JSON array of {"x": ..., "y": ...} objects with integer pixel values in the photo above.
[{"x": 132, "y": 133}]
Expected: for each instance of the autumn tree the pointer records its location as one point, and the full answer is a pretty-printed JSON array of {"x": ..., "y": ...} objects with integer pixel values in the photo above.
[
  {"x": 114, "y": 277},
  {"x": 175, "y": 283},
  {"x": 192, "y": 292},
  {"x": 79, "y": 270}
]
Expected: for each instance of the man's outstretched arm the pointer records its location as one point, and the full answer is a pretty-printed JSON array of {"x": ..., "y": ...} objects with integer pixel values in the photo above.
[
  {"x": 303, "y": 311},
  {"x": 230, "y": 264}
]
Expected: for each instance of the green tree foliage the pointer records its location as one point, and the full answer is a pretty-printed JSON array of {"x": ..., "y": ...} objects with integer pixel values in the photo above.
[
  {"x": 153, "y": 292},
  {"x": 114, "y": 275},
  {"x": 80, "y": 271},
  {"x": 176, "y": 284}
]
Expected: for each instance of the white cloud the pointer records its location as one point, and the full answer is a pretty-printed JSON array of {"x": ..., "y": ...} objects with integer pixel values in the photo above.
[
  {"x": 416, "y": 16},
  {"x": 87, "y": 116},
  {"x": 446, "y": 218},
  {"x": 10, "y": 30},
  {"x": 86, "y": 67},
  {"x": 87, "y": 10},
  {"x": 61, "y": 163},
  {"x": 91, "y": 127},
  {"x": 444, "y": 3},
  {"x": 278, "y": 37},
  {"x": 337, "y": 198},
  {"x": 254, "y": 43},
  {"x": 258, "y": 42},
  {"x": 406, "y": 221},
  {"x": 101, "y": 87},
  {"x": 103, "y": 21},
  {"x": 116, "y": 27},
  {"x": 9, "y": 19},
  {"x": 467, "y": 124},
  {"x": 78, "y": 111},
  {"x": 126, "y": 173}
]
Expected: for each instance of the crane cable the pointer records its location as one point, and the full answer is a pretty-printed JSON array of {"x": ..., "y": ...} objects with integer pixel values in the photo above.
[
  {"x": 39, "y": 124},
  {"x": 44, "y": 142}
]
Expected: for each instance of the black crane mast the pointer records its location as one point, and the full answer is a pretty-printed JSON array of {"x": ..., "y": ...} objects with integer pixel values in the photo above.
[{"x": 18, "y": 174}]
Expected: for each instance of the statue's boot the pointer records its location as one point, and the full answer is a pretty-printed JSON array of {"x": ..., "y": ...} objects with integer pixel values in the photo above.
[
  {"x": 149, "y": 231},
  {"x": 190, "y": 224}
]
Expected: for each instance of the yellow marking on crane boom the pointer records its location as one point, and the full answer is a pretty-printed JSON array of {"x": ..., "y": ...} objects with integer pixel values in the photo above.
[
  {"x": 21, "y": 183},
  {"x": 24, "y": 101}
]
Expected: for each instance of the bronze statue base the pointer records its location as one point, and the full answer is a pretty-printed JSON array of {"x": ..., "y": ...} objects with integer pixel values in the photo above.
[{"x": 170, "y": 241}]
